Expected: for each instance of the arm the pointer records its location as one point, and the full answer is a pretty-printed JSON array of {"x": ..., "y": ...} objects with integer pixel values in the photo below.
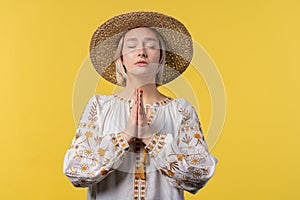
[
  {"x": 92, "y": 156},
  {"x": 184, "y": 158}
]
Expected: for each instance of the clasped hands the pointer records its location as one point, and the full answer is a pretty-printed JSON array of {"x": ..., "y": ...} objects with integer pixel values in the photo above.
[{"x": 137, "y": 124}]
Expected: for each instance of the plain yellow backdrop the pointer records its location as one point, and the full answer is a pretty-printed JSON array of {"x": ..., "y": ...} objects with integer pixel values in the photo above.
[{"x": 255, "y": 45}]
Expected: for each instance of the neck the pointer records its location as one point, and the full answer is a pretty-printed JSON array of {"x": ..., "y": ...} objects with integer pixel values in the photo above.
[{"x": 150, "y": 92}]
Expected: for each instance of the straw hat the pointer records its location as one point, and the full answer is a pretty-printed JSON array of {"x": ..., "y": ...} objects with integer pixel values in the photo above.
[{"x": 104, "y": 42}]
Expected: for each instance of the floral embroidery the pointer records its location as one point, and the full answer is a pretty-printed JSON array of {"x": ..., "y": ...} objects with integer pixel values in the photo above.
[
  {"x": 93, "y": 113},
  {"x": 197, "y": 136},
  {"x": 87, "y": 125},
  {"x": 170, "y": 173},
  {"x": 197, "y": 173},
  {"x": 83, "y": 168},
  {"x": 186, "y": 139},
  {"x": 101, "y": 151},
  {"x": 88, "y": 134},
  {"x": 195, "y": 159},
  {"x": 104, "y": 171},
  {"x": 189, "y": 148},
  {"x": 88, "y": 152},
  {"x": 186, "y": 115},
  {"x": 180, "y": 156},
  {"x": 98, "y": 140}
]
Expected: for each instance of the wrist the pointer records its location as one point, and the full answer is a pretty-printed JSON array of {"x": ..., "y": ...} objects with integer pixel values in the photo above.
[
  {"x": 147, "y": 140},
  {"x": 127, "y": 136}
]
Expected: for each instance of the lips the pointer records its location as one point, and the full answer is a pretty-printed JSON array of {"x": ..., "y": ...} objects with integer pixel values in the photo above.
[{"x": 141, "y": 63}]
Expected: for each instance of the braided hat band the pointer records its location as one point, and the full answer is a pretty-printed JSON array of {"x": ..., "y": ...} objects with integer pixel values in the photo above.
[{"x": 178, "y": 42}]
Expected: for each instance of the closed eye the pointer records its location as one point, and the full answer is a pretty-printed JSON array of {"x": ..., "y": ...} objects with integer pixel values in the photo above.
[{"x": 151, "y": 47}]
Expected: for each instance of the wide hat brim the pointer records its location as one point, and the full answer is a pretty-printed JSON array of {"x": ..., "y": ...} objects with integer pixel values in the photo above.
[{"x": 104, "y": 42}]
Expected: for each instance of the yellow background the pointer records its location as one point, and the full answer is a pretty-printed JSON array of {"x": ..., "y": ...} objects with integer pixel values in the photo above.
[{"x": 255, "y": 45}]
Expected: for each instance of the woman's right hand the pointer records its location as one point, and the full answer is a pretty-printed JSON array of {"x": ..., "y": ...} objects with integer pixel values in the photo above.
[{"x": 131, "y": 129}]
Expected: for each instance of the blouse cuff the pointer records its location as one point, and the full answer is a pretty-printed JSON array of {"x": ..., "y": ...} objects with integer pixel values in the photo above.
[
  {"x": 156, "y": 144},
  {"x": 120, "y": 140}
]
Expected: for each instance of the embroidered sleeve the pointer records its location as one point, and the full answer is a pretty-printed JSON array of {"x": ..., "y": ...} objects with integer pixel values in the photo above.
[
  {"x": 92, "y": 156},
  {"x": 184, "y": 158}
]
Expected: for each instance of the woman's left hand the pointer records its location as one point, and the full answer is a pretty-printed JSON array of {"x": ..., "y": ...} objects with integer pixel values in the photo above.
[{"x": 144, "y": 130}]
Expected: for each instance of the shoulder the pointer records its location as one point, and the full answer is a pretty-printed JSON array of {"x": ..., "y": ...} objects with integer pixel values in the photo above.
[
  {"x": 100, "y": 99},
  {"x": 183, "y": 103},
  {"x": 185, "y": 109}
]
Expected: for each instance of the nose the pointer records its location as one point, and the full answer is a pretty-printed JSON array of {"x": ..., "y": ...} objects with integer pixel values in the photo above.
[{"x": 142, "y": 53}]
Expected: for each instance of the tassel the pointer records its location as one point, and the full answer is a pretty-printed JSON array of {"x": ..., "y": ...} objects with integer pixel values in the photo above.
[
  {"x": 140, "y": 173},
  {"x": 145, "y": 158}
]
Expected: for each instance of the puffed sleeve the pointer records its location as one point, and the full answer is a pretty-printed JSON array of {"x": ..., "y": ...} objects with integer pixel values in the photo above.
[
  {"x": 92, "y": 156},
  {"x": 183, "y": 157}
]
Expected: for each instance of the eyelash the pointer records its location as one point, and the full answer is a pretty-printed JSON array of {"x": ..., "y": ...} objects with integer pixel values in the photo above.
[{"x": 151, "y": 47}]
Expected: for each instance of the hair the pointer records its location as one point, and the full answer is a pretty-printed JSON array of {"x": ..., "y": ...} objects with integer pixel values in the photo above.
[{"x": 121, "y": 73}]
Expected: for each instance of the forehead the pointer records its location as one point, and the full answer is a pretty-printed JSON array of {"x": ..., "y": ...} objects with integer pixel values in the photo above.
[{"x": 141, "y": 33}]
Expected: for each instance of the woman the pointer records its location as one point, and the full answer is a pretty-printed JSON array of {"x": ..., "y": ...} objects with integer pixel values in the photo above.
[{"x": 139, "y": 144}]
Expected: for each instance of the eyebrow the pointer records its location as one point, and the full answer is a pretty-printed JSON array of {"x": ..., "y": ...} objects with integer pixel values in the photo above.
[{"x": 147, "y": 39}]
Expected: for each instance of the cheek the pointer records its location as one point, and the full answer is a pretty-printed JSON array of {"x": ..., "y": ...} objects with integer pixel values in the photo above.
[
  {"x": 127, "y": 57},
  {"x": 156, "y": 56}
]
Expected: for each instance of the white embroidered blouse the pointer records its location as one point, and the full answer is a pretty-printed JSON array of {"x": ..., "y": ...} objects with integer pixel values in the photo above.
[{"x": 101, "y": 159}]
